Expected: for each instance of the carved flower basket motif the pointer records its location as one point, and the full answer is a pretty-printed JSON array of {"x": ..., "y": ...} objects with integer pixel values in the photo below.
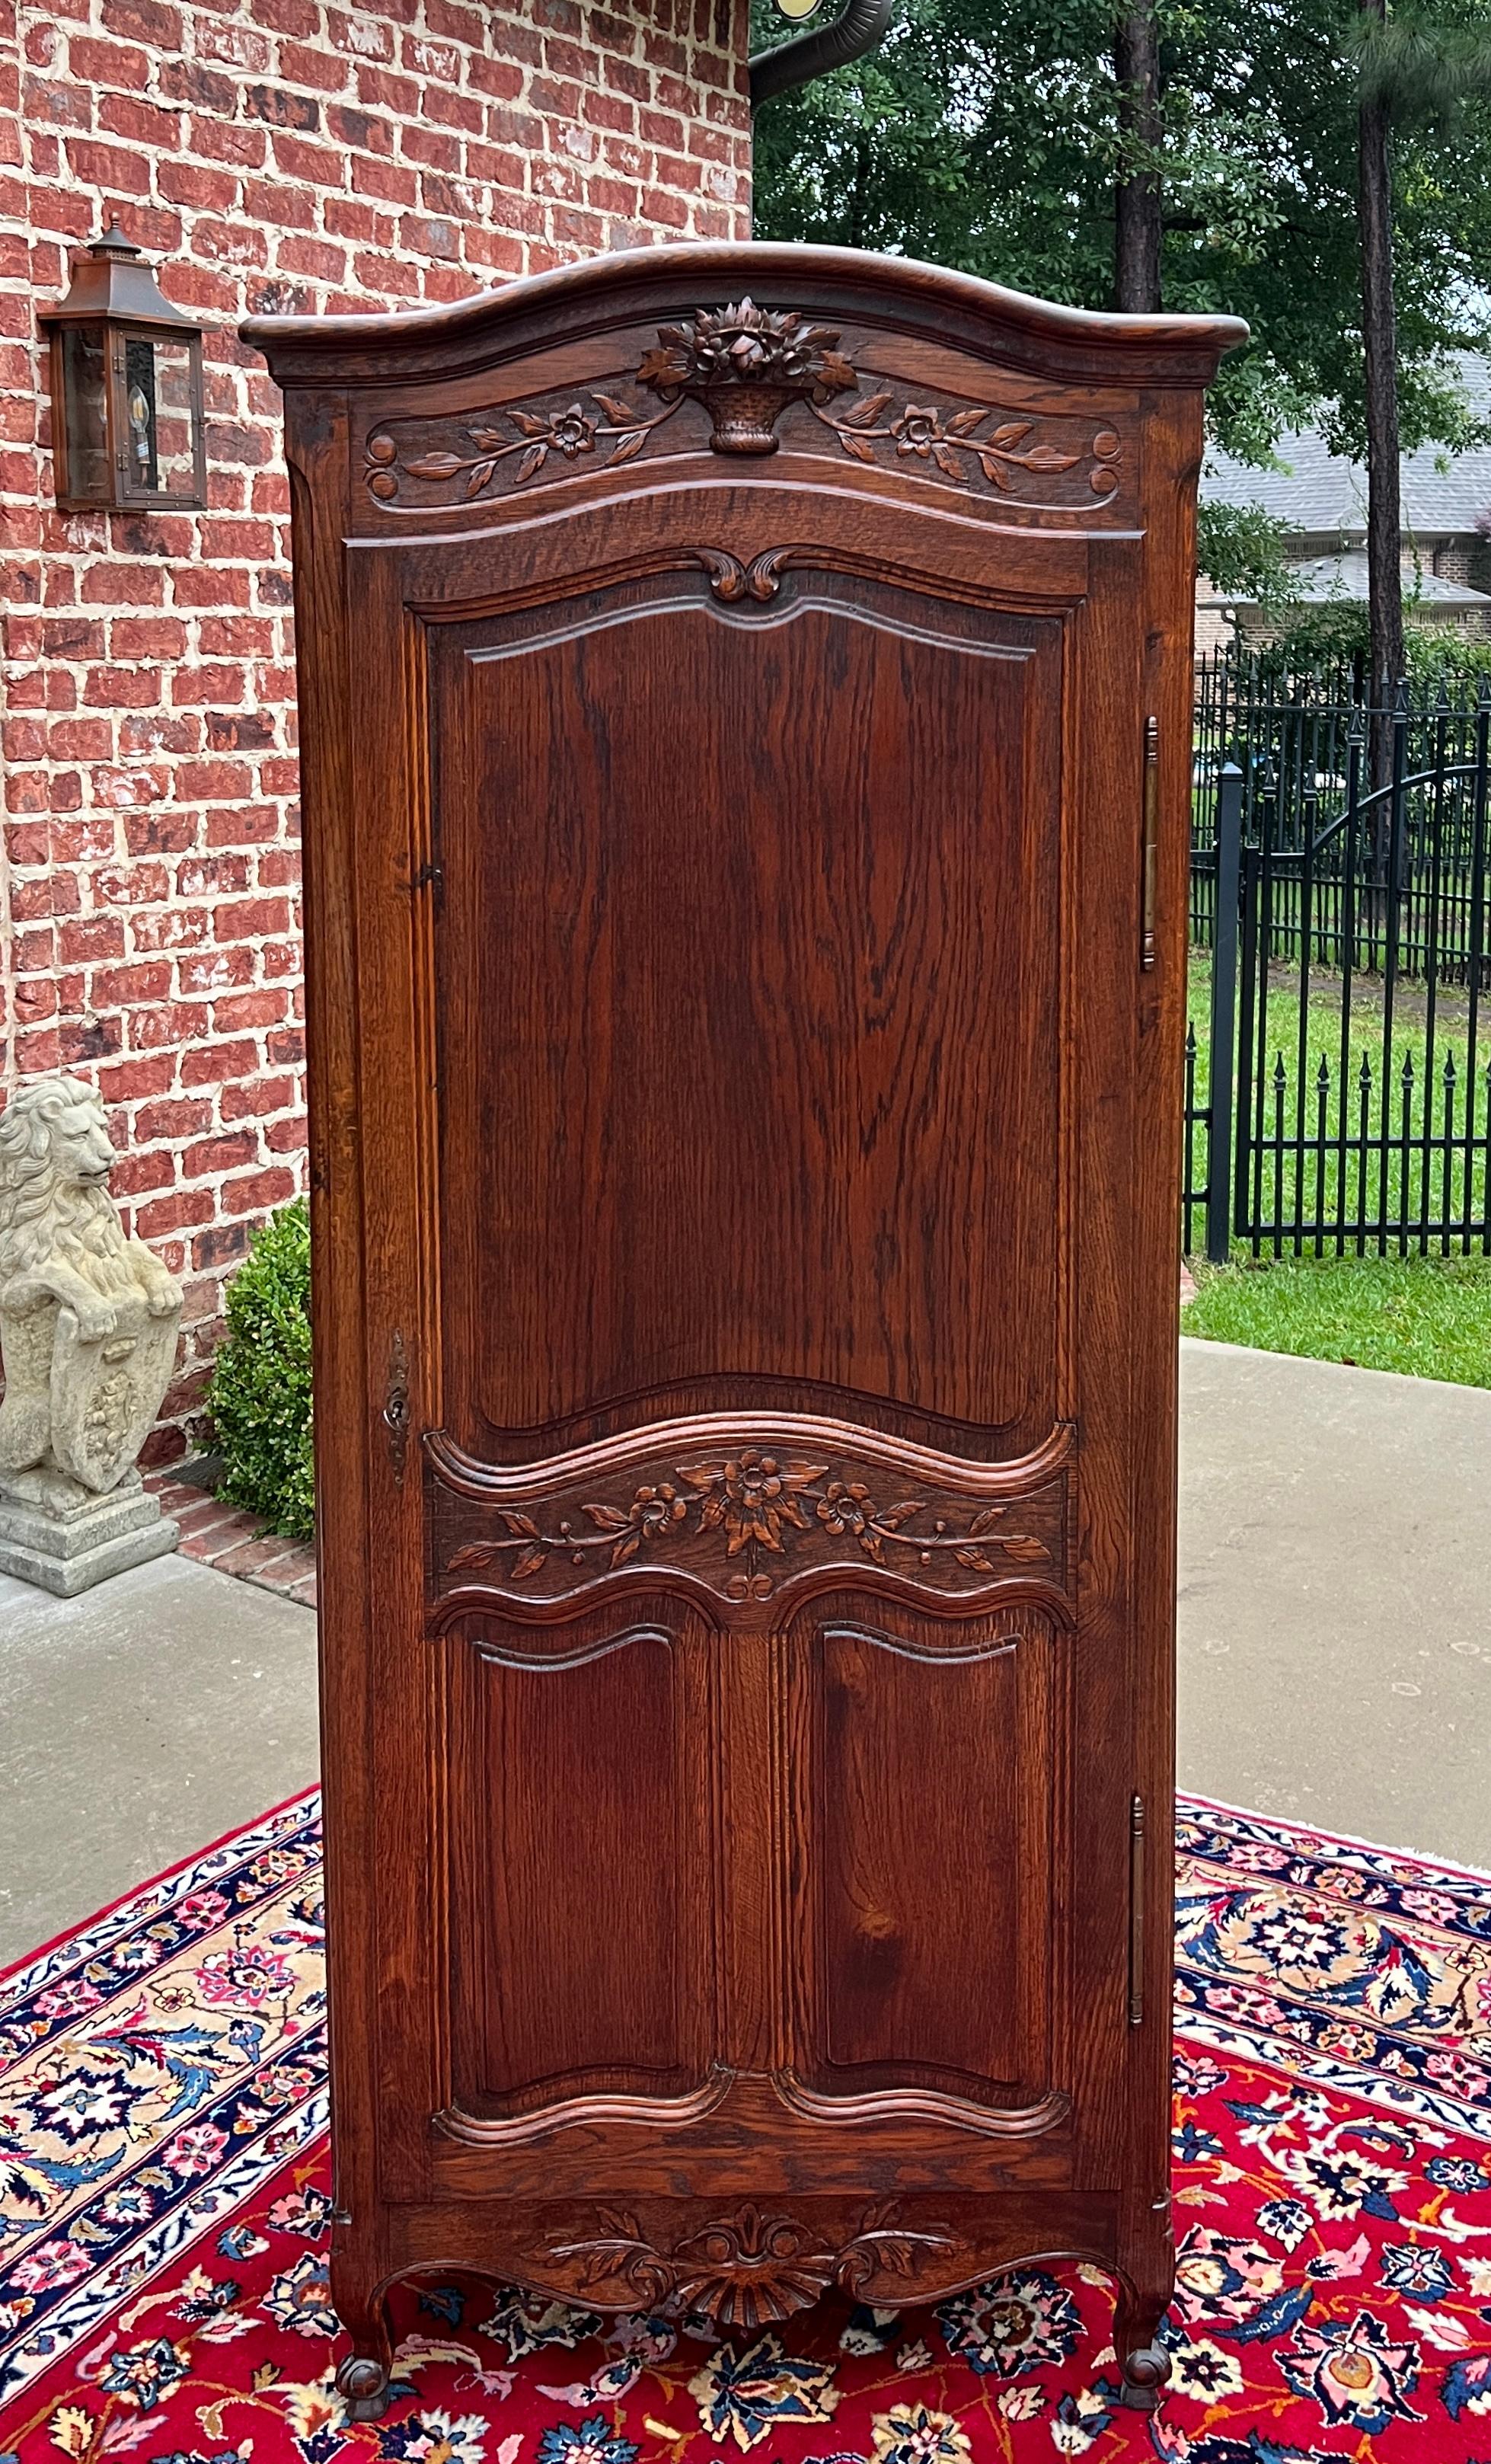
[{"x": 745, "y": 364}]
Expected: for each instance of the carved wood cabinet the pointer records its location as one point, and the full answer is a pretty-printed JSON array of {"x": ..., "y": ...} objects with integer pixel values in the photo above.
[{"x": 747, "y": 779}]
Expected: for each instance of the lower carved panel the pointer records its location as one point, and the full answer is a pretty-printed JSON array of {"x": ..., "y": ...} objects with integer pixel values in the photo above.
[
  {"x": 750, "y": 2263},
  {"x": 746, "y": 2262},
  {"x": 748, "y": 2267}
]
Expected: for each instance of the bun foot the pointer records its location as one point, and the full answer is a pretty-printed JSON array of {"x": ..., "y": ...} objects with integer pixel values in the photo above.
[
  {"x": 365, "y": 2383},
  {"x": 1144, "y": 2373}
]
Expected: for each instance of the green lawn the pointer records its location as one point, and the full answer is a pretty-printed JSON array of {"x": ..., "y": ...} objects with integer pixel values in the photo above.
[{"x": 1427, "y": 1318}]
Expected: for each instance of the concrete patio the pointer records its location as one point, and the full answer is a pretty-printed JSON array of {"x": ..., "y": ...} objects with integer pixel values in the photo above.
[
  {"x": 1335, "y": 1650},
  {"x": 1335, "y": 1597}
]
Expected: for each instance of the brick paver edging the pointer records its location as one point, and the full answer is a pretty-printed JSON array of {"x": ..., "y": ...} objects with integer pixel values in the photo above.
[{"x": 233, "y": 1542}]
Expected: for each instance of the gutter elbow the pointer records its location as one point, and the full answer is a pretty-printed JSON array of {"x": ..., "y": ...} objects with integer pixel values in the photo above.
[{"x": 858, "y": 28}]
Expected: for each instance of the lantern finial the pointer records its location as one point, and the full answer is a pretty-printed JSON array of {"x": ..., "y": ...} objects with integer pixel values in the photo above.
[{"x": 114, "y": 242}]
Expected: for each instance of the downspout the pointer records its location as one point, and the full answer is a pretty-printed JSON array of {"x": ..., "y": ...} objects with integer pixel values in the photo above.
[{"x": 857, "y": 30}]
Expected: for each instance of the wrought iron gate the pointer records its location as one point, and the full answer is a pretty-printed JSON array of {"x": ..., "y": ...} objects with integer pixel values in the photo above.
[{"x": 1349, "y": 961}]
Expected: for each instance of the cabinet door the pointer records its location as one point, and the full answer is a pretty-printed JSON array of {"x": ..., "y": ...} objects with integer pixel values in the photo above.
[
  {"x": 751, "y": 1552},
  {"x": 747, "y": 979}
]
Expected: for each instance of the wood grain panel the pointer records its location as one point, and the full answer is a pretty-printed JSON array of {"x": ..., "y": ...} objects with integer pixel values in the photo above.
[
  {"x": 732, "y": 998},
  {"x": 921, "y": 1907},
  {"x": 583, "y": 1910},
  {"x": 910, "y": 1987}
]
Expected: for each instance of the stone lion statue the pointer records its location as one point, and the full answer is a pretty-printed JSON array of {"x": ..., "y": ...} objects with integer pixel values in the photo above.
[{"x": 88, "y": 1318}]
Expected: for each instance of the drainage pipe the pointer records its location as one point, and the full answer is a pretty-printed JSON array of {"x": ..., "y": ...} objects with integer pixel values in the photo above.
[{"x": 857, "y": 30}]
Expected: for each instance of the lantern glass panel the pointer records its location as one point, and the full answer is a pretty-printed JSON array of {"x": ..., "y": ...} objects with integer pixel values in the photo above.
[
  {"x": 159, "y": 397},
  {"x": 85, "y": 413}
]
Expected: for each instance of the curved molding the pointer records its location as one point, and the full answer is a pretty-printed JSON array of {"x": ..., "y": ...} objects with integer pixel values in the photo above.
[
  {"x": 502, "y": 1656},
  {"x": 744, "y": 1510},
  {"x": 1036, "y": 334},
  {"x": 759, "y": 1612},
  {"x": 970, "y": 2263},
  {"x": 884, "y": 2108},
  {"x": 923, "y": 2107},
  {"x": 587, "y": 2112},
  {"x": 903, "y": 1647},
  {"x": 831, "y": 521},
  {"x": 735, "y": 582},
  {"x": 471, "y": 1477}
]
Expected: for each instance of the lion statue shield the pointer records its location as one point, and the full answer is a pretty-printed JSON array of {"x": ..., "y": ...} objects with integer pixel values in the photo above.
[{"x": 88, "y": 1317}]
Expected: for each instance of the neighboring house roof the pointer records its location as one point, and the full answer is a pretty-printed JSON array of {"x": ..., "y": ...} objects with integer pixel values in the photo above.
[
  {"x": 1318, "y": 581},
  {"x": 1318, "y": 492}
]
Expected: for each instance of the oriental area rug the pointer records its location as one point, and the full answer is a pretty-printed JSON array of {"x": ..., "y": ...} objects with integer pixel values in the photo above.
[{"x": 164, "y": 2214}]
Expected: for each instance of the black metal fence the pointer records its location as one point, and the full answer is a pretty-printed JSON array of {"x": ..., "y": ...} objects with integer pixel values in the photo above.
[{"x": 1339, "y": 925}]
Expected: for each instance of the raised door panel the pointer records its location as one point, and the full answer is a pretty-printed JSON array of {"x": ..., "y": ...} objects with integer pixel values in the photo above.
[
  {"x": 748, "y": 966},
  {"x": 927, "y": 1819},
  {"x": 583, "y": 1911}
]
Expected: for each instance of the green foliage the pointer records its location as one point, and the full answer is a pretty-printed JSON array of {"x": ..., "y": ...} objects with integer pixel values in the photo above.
[
  {"x": 1425, "y": 1318},
  {"x": 1317, "y": 637},
  {"x": 1427, "y": 68},
  {"x": 260, "y": 1397},
  {"x": 985, "y": 134},
  {"x": 1313, "y": 640},
  {"x": 1241, "y": 549},
  {"x": 1442, "y": 654}
]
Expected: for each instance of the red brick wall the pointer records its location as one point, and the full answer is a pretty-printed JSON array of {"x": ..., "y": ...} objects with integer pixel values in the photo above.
[{"x": 274, "y": 155}]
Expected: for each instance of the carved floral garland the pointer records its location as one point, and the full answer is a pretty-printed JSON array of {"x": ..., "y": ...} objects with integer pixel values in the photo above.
[
  {"x": 754, "y": 1500},
  {"x": 569, "y": 433},
  {"x": 919, "y": 430},
  {"x": 745, "y": 364}
]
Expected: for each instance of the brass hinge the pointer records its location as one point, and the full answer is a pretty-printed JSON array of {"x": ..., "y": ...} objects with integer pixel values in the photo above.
[
  {"x": 1151, "y": 842},
  {"x": 1136, "y": 1911}
]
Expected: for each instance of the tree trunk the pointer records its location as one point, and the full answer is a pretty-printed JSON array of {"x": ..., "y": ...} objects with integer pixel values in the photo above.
[
  {"x": 1138, "y": 204},
  {"x": 1379, "y": 345}
]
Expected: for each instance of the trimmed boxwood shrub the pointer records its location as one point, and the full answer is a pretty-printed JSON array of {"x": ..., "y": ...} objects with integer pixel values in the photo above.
[{"x": 260, "y": 1394}]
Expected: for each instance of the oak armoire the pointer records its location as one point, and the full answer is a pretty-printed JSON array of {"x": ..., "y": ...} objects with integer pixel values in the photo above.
[{"x": 745, "y": 701}]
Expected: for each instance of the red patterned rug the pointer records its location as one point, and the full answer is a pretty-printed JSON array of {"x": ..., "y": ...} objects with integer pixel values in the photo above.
[{"x": 164, "y": 2214}]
